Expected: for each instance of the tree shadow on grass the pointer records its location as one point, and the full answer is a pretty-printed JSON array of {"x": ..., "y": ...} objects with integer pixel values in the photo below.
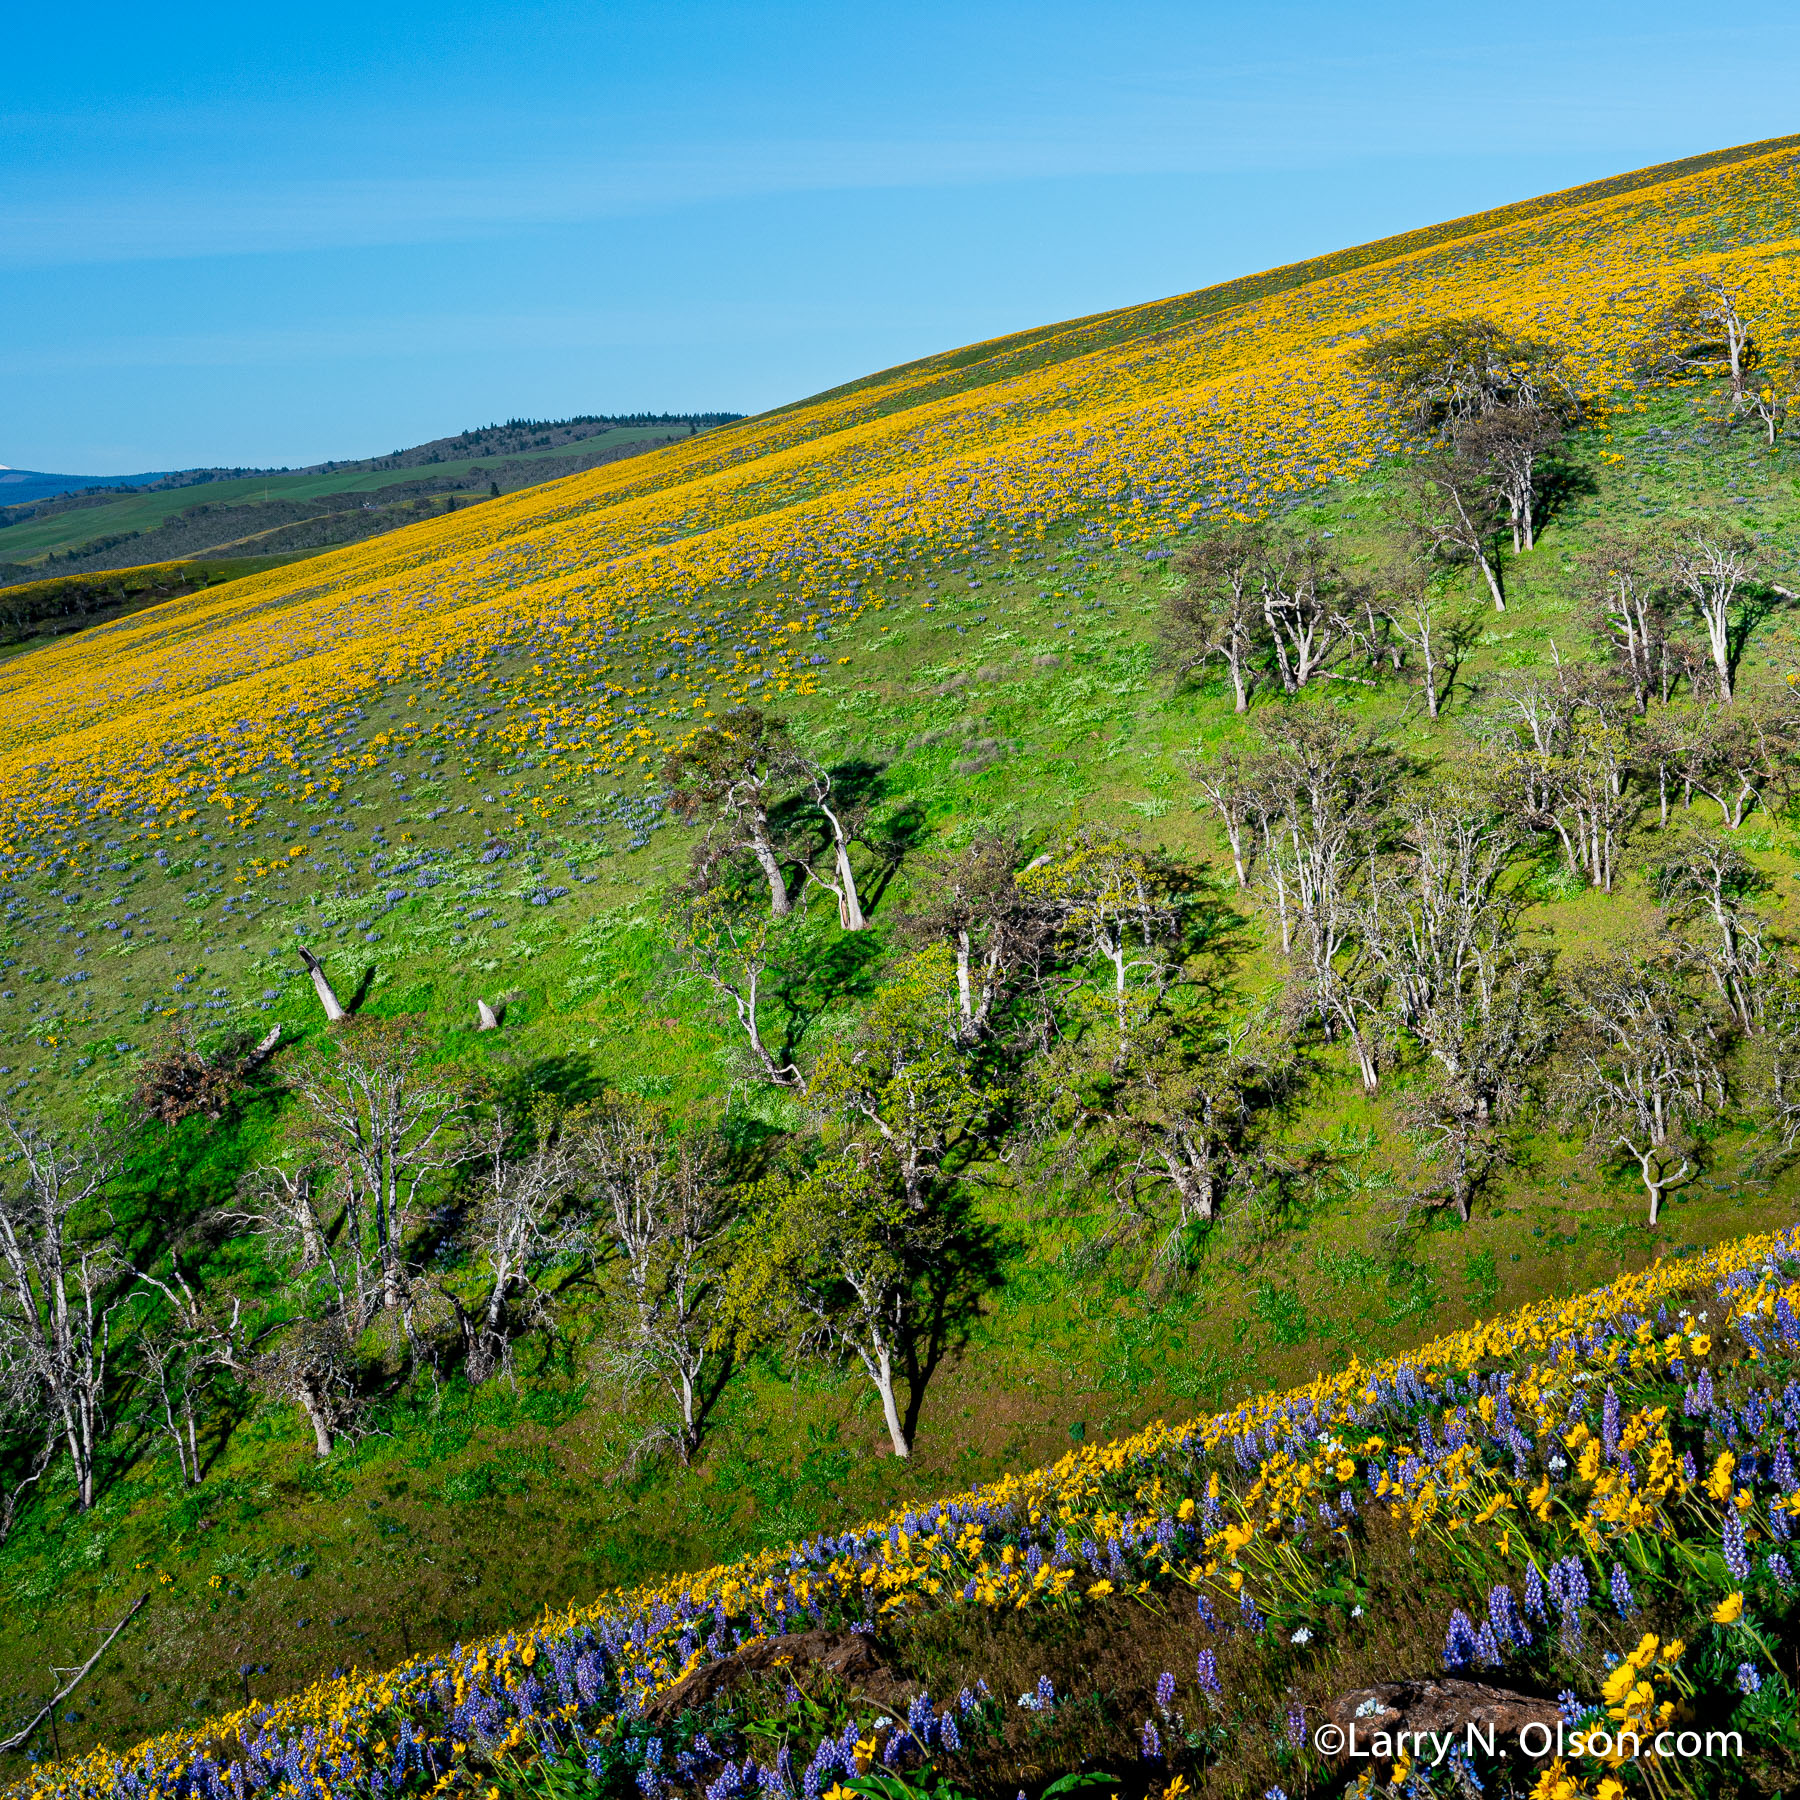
[
  {"x": 822, "y": 980},
  {"x": 951, "y": 1288}
]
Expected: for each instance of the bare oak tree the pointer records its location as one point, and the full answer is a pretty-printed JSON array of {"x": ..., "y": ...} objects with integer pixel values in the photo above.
[
  {"x": 729, "y": 947},
  {"x": 1643, "y": 1067},
  {"x": 520, "y": 1228},
  {"x": 1304, "y": 607},
  {"x": 311, "y": 1367},
  {"x": 1628, "y": 603},
  {"x": 1326, "y": 787},
  {"x": 383, "y": 1125},
  {"x": 1435, "y": 634},
  {"x": 841, "y": 823},
  {"x": 1702, "y": 331},
  {"x": 62, "y": 1277},
  {"x": 1454, "y": 513},
  {"x": 1704, "y": 877},
  {"x": 1234, "y": 786},
  {"x": 999, "y": 935},
  {"x": 1442, "y": 374},
  {"x": 1512, "y": 444},
  {"x": 1711, "y": 564},
  {"x": 1562, "y": 753},
  {"x": 660, "y": 1199},
  {"x": 737, "y": 771},
  {"x": 1218, "y": 616}
]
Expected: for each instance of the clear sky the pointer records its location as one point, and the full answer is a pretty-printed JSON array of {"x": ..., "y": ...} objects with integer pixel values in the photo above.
[{"x": 269, "y": 235}]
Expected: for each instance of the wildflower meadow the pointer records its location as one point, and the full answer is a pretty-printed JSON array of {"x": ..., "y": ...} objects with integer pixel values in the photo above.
[
  {"x": 842, "y": 967},
  {"x": 1594, "y": 1495}
]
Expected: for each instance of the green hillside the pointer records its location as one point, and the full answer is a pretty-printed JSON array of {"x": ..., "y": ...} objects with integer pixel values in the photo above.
[{"x": 469, "y": 763}]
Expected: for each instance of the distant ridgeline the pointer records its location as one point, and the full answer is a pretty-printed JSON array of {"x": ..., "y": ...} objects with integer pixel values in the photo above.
[{"x": 289, "y": 511}]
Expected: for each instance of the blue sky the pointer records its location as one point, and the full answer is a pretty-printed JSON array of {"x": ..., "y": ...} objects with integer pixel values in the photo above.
[{"x": 256, "y": 235}]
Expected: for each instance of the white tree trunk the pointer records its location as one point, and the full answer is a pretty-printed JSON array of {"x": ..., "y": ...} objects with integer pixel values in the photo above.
[
  {"x": 322, "y": 987},
  {"x": 883, "y": 1372}
]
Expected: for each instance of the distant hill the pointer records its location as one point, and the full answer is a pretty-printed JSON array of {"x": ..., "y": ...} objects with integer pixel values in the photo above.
[
  {"x": 21, "y": 487},
  {"x": 73, "y": 524}
]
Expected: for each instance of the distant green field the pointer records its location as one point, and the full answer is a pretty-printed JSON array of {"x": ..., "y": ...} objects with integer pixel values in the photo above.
[{"x": 35, "y": 538}]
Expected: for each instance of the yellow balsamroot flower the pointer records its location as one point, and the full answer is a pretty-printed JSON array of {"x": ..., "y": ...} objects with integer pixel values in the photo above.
[
  {"x": 1729, "y": 1610},
  {"x": 1718, "y": 1483}
]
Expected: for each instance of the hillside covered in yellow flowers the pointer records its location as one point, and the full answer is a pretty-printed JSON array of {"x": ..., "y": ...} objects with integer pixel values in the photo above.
[
  {"x": 718, "y": 562},
  {"x": 629, "y": 1027}
]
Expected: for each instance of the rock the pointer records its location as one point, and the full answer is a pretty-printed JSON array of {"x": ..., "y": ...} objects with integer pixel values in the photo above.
[
  {"x": 1441, "y": 1705},
  {"x": 848, "y": 1655}
]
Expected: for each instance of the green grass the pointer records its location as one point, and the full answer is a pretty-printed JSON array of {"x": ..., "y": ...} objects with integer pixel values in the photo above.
[{"x": 472, "y": 1509}]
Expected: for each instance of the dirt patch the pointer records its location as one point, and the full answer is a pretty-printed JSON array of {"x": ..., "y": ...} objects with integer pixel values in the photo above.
[{"x": 848, "y": 1655}]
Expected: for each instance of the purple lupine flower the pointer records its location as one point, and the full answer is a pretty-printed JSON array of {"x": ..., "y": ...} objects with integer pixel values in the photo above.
[
  {"x": 1459, "y": 1641},
  {"x": 1046, "y": 1694},
  {"x": 1204, "y": 1608},
  {"x": 1487, "y": 1646},
  {"x": 1749, "y": 1682},
  {"x": 919, "y": 1718},
  {"x": 1609, "y": 1423},
  {"x": 1778, "y": 1567},
  {"x": 1623, "y": 1602},
  {"x": 1569, "y": 1586},
  {"x": 1165, "y": 1691},
  {"x": 1296, "y": 1726},
  {"x": 1570, "y": 1708},
  {"x": 1208, "y": 1672},
  {"x": 1534, "y": 1594},
  {"x": 1737, "y": 1558},
  {"x": 1503, "y": 1614},
  {"x": 1152, "y": 1745},
  {"x": 1253, "y": 1620}
]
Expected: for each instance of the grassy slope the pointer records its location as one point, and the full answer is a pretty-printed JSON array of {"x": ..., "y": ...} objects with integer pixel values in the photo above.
[
  {"x": 36, "y": 612},
  {"x": 394, "y": 1545}
]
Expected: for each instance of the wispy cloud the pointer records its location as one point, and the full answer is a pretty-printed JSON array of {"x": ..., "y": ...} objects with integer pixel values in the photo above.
[{"x": 1180, "y": 116}]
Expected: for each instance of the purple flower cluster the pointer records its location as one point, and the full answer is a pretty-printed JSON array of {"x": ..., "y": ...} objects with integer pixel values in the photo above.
[
  {"x": 1623, "y": 1603},
  {"x": 1568, "y": 1587},
  {"x": 1737, "y": 1557}
]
